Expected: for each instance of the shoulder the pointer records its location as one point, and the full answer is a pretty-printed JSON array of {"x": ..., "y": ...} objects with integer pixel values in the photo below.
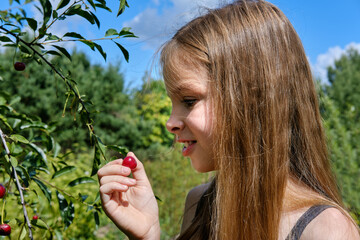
[
  {"x": 331, "y": 224},
  {"x": 191, "y": 201}
]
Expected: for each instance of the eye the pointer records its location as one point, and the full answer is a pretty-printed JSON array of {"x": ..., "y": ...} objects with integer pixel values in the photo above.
[{"x": 189, "y": 102}]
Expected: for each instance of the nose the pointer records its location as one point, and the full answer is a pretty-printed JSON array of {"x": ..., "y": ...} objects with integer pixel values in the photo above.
[{"x": 174, "y": 124}]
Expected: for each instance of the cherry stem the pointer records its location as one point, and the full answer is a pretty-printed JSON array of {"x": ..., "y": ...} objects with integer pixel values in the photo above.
[{"x": 18, "y": 186}]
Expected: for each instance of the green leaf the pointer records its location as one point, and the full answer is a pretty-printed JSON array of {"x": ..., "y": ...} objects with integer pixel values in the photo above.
[
  {"x": 40, "y": 224},
  {"x": 63, "y": 171},
  {"x": 24, "y": 172},
  {"x": 44, "y": 189},
  {"x": 81, "y": 180},
  {"x": 55, "y": 14},
  {"x": 111, "y": 32},
  {"x": 124, "y": 51},
  {"x": 19, "y": 138},
  {"x": 74, "y": 35},
  {"x": 62, "y": 4},
  {"x": 89, "y": 43},
  {"x": 103, "y": 7},
  {"x": 47, "y": 10},
  {"x": 92, "y": 4},
  {"x": 36, "y": 124},
  {"x": 96, "y": 161},
  {"x": 57, "y": 149},
  {"x": 32, "y": 23},
  {"x": 97, "y": 219},
  {"x": 63, "y": 51},
  {"x": 96, "y": 20},
  {"x": 100, "y": 145},
  {"x": 101, "y": 51},
  {"x": 13, "y": 161},
  {"x": 120, "y": 149},
  {"x": 39, "y": 151},
  {"x": 67, "y": 210},
  {"x": 5, "y": 39},
  {"x": 122, "y": 5},
  {"x": 52, "y": 52}
]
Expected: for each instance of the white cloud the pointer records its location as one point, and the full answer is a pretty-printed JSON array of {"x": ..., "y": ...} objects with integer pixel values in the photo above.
[
  {"x": 327, "y": 59},
  {"x": 154, "y": 26}
]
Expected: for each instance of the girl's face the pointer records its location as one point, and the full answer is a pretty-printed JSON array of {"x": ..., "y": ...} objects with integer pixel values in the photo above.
[{"x": 191, "y": 118}]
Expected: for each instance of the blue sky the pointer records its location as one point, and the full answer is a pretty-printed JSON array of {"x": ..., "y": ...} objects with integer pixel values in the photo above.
[{"x": 326, "y": 27}]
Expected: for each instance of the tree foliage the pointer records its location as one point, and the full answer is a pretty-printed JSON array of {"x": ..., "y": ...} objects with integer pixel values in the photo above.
[
  {"x": 341, "y": 112},
  {"x": 26, "y": 140}
]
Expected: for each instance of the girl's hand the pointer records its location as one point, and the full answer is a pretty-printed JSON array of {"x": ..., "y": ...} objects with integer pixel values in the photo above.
[{"x": 129, "y": 203}]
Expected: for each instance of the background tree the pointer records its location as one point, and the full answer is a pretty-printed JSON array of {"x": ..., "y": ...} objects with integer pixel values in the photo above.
[{"x": 341, "y": 111}]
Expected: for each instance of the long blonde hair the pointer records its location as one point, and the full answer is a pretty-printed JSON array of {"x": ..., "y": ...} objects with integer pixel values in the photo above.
[{"x": 267, "y": 122}]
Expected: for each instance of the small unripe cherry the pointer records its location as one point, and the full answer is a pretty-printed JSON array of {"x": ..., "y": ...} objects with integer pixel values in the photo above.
[
  {"x": 19, "y": 66},
  {"x": 35, "y": 217},
  {"x": 129, "y": 162},
  {"x": 2, "y": 191},
  {"x": 5, "y": 229}
]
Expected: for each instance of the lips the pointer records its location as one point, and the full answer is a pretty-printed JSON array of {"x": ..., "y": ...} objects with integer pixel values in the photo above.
[{"x": 188, "y": 146}]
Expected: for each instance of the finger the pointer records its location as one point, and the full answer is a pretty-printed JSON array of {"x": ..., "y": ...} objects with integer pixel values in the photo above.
[
  {"x": 108, "y": 189},
  {"x": 119, "y": 179},
  {"x": 139, "y": 172},
  {"x": 113, "y": 169}
]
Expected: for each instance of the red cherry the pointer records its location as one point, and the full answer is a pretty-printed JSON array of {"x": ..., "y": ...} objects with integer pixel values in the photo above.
[
  {"x": 19, "y": 66},
  {"x": 35, "y": 217},
  {"x": 129, "y": 162},
  {"x": 5, "y": 229},
  {"x": 2, "y": 191}
]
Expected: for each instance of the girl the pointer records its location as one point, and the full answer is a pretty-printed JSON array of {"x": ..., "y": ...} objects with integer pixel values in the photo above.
[{"x": 244, "y": 105}]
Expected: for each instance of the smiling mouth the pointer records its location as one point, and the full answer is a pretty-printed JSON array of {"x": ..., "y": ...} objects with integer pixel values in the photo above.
[
  {"x": 187, "y": 147},
  {"x": 187, "y": 144}
]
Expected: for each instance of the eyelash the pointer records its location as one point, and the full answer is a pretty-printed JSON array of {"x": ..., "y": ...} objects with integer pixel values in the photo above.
[{"x": 189, "y": 102}]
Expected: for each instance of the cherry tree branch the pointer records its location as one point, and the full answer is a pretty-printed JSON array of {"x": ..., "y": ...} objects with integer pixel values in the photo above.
[
  {"x": 17, "y": 184},
  {"x": 29, "y": 45}
]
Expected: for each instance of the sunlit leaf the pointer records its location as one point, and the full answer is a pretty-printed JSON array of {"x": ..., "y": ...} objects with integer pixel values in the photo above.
[
  {"x": 62, "y": 4},
  {"x": 81, "y": 180},
  {"x": 63, "y": 171},
  {"x": 19, "y": 138},
  {"x": 40, "y": 224},
  {"x": 120, "y": 149},
  {"x": 44, "y": 189},
  {"x": 67, "y": 210},
  {"x": 14, "y": 161},
  {"x": 111, "y": 32},
  {"x": 89, "y": 43},
  {"x": 122, "y": 5},
  {"x": 47, "y": 10},
  {"x": 39, "y": 151}
]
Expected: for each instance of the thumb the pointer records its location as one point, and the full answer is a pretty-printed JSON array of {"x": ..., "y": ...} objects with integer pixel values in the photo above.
[{"x": 139, "y": 172}]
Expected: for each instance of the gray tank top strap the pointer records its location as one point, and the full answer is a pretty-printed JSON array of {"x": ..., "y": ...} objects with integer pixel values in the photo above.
[{"x": 304, "y": 220}]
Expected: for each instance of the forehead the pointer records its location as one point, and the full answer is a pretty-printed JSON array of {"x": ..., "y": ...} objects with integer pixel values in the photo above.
[{"x": 181, "y": 73}]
